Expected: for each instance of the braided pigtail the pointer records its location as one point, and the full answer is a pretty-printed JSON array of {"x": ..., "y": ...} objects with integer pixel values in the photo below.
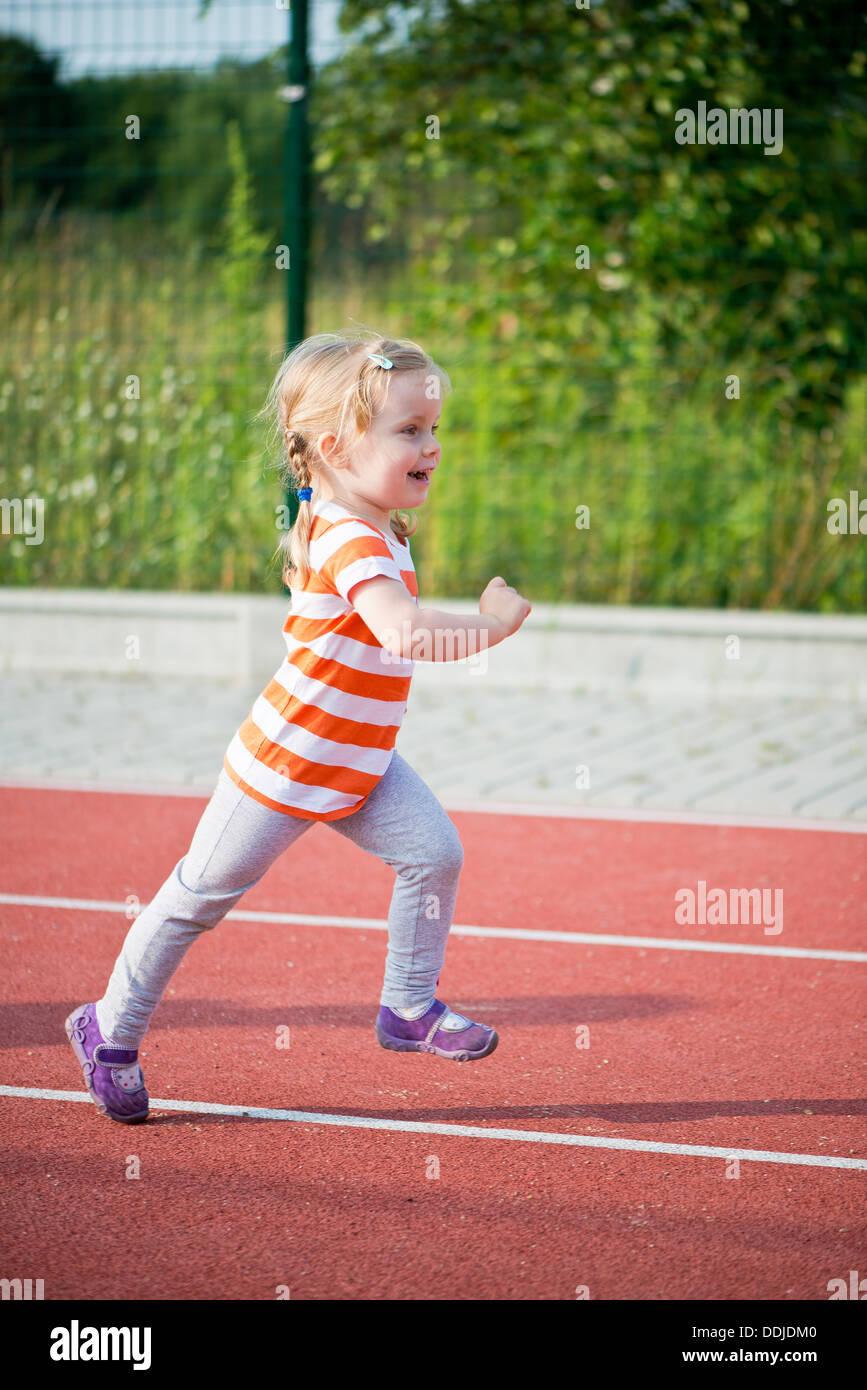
[{"x": 296, "y": 542}]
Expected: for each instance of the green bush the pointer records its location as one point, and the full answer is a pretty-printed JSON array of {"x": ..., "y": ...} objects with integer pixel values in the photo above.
[{"x": 694, "y": 499}]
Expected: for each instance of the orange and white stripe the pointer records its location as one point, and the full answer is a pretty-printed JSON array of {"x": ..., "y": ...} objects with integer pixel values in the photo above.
[{"x": 322, "y": 733}]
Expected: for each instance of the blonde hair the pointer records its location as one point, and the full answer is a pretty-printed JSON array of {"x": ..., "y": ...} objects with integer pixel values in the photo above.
[{"x": 329, "y": 385}]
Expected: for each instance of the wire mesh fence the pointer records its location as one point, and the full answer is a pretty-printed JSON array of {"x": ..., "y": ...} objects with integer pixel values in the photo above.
[{"x": 656, "y": 349}]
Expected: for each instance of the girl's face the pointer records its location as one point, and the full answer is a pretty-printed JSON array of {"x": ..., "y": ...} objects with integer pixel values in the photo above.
[{"x": 393, "y": 463}]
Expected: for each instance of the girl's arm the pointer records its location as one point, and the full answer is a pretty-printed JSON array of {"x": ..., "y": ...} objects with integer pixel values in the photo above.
[{"x": 431, "y": 634}]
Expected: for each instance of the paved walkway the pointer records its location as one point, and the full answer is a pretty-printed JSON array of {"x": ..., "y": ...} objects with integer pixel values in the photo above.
[{"x": 759, "y": 757}]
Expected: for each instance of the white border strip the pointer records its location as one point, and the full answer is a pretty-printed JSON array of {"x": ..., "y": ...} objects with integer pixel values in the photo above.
[
  {"x": 572, "y": 938},
  {"x": 494, "y": 808},
  {"x": 526, "y": 1136},
  {"x": 111, "y": 788},
  {"x": 652, "y": 817}
]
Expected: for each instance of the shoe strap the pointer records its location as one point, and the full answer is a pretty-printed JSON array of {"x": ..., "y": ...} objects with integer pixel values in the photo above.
[
  {"x": 108, "y": 1056},
  {"x": 438, "y": 1020}
]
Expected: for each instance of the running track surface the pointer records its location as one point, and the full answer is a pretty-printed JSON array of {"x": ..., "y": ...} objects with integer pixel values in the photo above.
[{"x": 686, "y": 1048}]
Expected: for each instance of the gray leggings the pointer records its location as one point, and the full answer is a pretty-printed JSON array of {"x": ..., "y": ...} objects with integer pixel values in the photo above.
[{"x": 238, "y": 839}]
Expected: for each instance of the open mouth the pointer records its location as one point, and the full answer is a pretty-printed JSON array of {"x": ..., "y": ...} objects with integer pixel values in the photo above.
[{"x": 423, "y": 475}]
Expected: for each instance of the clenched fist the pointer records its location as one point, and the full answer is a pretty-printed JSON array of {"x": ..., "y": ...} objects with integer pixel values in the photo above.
[{"x": 501, "y": 601}]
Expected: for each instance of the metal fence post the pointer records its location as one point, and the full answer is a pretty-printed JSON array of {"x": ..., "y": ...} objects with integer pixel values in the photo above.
[{"x": 296, "y": 189}]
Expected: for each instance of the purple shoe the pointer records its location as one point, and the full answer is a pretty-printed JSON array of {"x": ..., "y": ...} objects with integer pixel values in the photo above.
[
  {"x": 112, "y": 1073},
  {"x": 439, "y": 1030}
]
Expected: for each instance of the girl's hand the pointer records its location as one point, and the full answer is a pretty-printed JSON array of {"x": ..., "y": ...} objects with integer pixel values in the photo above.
[{"x": 504, "y": 603}]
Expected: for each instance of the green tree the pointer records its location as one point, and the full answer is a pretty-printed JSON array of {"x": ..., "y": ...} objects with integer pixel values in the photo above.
[
  {"x": 557, "y": 129},
  {"x": 191, "y": 165},
  {"x": 115, "y": 173},
  {"x": 36, "y": 114}
]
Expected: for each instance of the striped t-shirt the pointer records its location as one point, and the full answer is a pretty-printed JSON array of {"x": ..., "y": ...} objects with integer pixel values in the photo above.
[{"x": 322, "y": 733}]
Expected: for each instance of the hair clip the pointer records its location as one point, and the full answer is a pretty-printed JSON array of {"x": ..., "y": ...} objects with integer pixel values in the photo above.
[{"x": 382, "y": 361}]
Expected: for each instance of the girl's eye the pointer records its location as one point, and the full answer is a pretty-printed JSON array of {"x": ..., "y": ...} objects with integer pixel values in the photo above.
[{"x": 434, "y": 428}]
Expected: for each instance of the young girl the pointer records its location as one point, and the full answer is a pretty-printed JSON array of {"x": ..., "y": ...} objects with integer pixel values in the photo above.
[{"x": 358, "y": 420}]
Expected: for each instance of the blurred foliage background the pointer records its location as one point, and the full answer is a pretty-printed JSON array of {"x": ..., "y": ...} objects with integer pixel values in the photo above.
[{"x": 601, "y": 386}]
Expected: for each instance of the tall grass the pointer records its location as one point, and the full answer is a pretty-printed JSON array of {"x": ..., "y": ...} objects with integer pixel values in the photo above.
[{"x": 694, "y": 499}]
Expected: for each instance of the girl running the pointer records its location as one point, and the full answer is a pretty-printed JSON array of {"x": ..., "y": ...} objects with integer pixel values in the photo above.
[{"x": 357, "y": 418}]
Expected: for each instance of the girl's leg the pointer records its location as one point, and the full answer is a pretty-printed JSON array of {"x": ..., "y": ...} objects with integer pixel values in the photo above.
[
  {"x": 403, "y": 824},
  {"x": 236, "y": 841}
]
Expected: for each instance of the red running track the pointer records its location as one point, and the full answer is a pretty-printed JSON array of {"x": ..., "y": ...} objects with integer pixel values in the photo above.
[{"x": 685, "y": 1047}]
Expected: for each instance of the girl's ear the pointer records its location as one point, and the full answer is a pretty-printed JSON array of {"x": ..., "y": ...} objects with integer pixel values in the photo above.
[
  {"x": 328, "y": 450},
  {"x": 331, "y": 453}
]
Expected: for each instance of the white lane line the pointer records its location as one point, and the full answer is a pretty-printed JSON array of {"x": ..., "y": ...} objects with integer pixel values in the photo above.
[
  {"x": 493, "y": 808},
  {"x": 524, "y": 1136},
  {"x": 574, "y": 938}
]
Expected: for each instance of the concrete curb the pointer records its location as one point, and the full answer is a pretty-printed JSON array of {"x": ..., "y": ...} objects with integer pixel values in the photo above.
[{"x": 238, "y": 638}]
